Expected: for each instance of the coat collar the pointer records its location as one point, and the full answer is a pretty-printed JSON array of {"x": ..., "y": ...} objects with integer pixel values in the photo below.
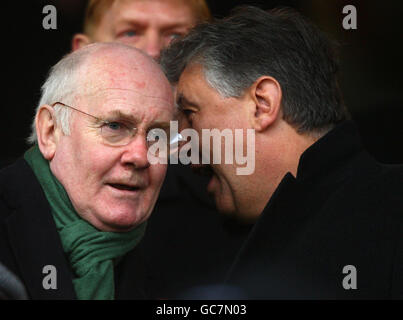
[
  {"x": 33, "y": 236},
  {"x": 330, "y": 151},
  {"x": 321, "y": 167}
]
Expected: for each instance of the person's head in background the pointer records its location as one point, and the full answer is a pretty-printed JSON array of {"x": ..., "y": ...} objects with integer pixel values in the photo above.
[{"x": 149, "y": 25}]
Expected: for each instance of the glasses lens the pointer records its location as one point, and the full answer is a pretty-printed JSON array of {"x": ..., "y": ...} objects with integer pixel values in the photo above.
[{"x": 116, "y": 134}]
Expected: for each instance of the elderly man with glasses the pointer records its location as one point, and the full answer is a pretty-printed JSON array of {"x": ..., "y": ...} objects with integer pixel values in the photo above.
[{"x": 73, "y": 210}]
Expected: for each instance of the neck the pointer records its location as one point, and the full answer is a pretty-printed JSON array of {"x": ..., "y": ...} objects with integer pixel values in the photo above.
[{"x": 280, "y": 149}]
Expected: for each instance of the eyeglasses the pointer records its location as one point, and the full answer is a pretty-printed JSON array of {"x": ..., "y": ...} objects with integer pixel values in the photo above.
[{"x": 121, "y": 133}]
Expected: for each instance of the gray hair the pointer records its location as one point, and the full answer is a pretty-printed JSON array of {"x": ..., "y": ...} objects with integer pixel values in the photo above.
[
  {"x": 62, "y": 85},
  {"x": 234, "y": 52}
]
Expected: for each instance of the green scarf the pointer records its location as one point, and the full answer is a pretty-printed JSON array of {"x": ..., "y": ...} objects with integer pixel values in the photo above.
[{"x": 91, "y": 252}]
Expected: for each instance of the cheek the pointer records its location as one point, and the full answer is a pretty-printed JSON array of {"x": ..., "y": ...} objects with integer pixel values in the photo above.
[
  {"x": 93, "y": 161},
  {"x": 231, "y": 184},
  {"x": 218, "y": 121},
  {"x": 233, "y": 194}
]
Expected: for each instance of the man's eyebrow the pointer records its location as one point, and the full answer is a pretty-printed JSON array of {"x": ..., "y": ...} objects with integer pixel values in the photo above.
[
  {"x": 119, "y": 114},
  {"x": 182, "y": 101},
  {"x": 175, "y": 26},
  {"x": 143, "y": 23},
  {"x": 125, "y": 22}
]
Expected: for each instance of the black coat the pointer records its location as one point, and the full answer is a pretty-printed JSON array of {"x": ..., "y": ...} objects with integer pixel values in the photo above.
[
  {"x": 187, "y": 242},
  {"x": 29, "y": 241},
  {"x": 342, "y": 209}
]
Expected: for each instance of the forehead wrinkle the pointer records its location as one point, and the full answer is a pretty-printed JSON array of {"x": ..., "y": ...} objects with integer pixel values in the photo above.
[
  {"x": 122, "y": 66},
  {"x": 110, "y": 92},
  {"x": 100, "y": 77},
  {"x": 125, "y": 108},
  {"x": 138, "y": 92},
  {"x": 138, "y": 87},
  {"x": 125, "y": 115}
]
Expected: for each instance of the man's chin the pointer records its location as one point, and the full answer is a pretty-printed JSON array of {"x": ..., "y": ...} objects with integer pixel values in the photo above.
[
  {"x": 123, "y": 223},
  {"x": 224, "y": 206},
  {"x": 228, "y": 209},
  {"x": 119, "y": 228}
]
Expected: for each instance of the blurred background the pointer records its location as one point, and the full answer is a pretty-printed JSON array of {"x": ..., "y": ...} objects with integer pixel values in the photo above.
[{"x": 371, "y": 63}]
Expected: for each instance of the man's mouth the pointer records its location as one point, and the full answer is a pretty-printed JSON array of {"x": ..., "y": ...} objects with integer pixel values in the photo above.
[
  {"x": 203, "y": 170},
  {"x": 124, "y": 187},
  {"x": 207, "y": 171}
]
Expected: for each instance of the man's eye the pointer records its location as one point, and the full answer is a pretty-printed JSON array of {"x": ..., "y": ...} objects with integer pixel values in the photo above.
[
  {"x": 130, "y": 33},
  {"x": 114, "y": 126},
  {"x": 175, "y": 36},
  {"x": 187, "y": 112}
]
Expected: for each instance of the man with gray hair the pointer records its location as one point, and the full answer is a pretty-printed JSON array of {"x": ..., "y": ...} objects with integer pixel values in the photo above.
[
  {"x": 74, "y": 209},
  {"x": 328, "y": 217}
]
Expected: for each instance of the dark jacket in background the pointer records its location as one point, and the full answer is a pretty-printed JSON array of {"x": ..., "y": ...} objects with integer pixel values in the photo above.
[{"x": 342, "y": 209}]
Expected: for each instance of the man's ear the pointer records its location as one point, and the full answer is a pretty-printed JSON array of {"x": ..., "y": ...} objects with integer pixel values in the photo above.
[
  {"x": 45, "y": 124},
  {"x": 79, "y": 40},
  {"x": 267, "y": 95}
]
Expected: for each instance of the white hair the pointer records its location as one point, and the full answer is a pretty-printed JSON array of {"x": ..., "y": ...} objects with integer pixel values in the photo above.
[{"x": 62, "y": 85}]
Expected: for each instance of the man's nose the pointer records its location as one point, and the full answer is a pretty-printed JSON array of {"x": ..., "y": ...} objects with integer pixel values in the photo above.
[
  {"x": 135, "y": 153},
  {"x": 152, "y": 43}
]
